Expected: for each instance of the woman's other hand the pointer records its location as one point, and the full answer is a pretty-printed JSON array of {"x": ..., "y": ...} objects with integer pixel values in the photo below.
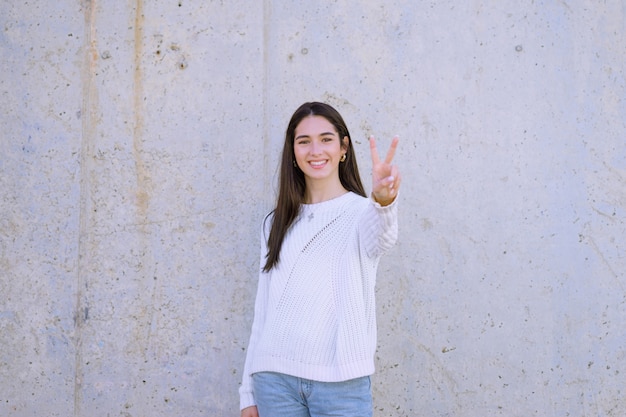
[{"x": 250, "y": 412}]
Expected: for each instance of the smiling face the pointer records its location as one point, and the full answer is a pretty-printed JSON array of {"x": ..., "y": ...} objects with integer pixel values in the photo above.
[{"x": 318, "y": 150}]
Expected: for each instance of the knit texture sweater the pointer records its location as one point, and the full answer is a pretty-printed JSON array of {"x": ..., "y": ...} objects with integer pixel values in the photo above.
[{"x": 315, "y": 313}]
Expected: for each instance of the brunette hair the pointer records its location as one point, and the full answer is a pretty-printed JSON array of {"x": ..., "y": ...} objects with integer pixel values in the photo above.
[{"x": 291, "y": 181}]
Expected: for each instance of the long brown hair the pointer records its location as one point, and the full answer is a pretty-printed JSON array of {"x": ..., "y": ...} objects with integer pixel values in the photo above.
[{"x": 291, "y": 181}]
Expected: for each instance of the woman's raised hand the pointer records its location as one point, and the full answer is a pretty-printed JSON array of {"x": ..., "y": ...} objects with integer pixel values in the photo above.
[{"x": 385, "y": 176}]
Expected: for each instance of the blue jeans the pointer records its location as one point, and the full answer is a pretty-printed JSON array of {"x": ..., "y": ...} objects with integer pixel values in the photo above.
[{"x": 279, "y": 395}]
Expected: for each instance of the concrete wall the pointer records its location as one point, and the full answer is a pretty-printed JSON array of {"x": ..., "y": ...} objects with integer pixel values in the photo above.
[{"x": 138, "y": 155}]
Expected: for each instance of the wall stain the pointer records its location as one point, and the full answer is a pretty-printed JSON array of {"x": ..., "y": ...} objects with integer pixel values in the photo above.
[
  {"x": 142, "y": 196},
  {"x": 146, "y": 324},
  {"x": 89, "y": 122}
]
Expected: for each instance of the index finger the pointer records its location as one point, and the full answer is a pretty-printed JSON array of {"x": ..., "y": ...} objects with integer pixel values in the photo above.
[
  {"x": 374, "y": 150},
  {"x": 392, "y": 150}
]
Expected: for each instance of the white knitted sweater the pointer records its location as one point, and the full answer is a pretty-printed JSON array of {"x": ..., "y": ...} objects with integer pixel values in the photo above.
[{"x": 315, "y": 314}]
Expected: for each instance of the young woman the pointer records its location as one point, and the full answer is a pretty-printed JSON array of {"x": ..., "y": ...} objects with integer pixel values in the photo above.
[{"x": 313, "y": 339}]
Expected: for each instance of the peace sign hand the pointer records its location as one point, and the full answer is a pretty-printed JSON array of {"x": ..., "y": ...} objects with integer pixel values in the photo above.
[{"x": 385, "y": 177}]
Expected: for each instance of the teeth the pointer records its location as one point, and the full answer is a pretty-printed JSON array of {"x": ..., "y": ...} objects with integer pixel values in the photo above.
[{"x": 318, "y": 163}]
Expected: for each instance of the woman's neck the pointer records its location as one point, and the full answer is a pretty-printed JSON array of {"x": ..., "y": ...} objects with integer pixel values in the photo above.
[{"x": 317, "y": 193}]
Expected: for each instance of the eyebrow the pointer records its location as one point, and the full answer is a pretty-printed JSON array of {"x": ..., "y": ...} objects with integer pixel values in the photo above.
[{"x": 321, "y": 134}]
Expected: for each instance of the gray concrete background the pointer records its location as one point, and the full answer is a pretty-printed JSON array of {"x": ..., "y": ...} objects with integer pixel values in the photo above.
[{"x": 139, "y": 148}]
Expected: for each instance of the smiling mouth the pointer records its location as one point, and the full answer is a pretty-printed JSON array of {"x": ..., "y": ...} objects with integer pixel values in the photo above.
[{"x": 317, "y": 164}]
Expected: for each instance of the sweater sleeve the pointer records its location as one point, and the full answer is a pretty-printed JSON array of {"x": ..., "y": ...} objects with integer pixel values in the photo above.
[
  {"x": 246, "y": 390},
  {"x": 379, "y": 227}
]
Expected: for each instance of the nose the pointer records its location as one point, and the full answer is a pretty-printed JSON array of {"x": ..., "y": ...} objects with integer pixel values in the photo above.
[{"x": 315, "y": 147}]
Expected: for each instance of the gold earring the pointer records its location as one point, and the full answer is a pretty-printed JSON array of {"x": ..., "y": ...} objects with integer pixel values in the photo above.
[
  {"x": 343, "y": 157},
  {"x": 295, "y": 165}
]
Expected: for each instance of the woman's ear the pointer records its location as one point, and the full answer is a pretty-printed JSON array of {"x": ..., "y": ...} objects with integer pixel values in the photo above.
[{"x": 344, "y": 143}]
